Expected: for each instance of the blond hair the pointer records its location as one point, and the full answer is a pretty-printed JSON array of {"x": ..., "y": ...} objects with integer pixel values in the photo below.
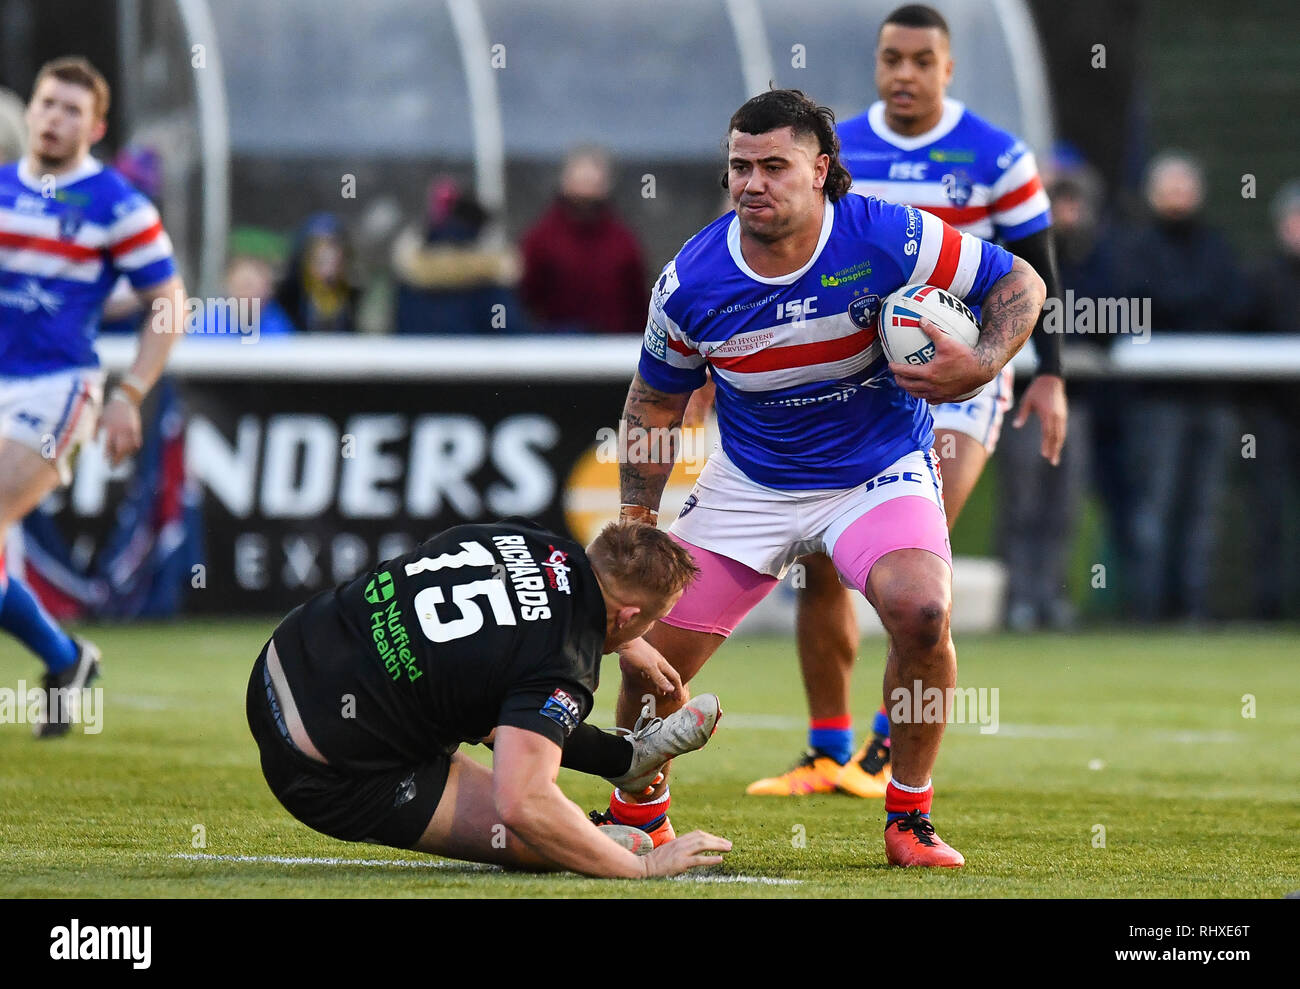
[
  {"x": 636, "y": 557},
  {"x": 78, "y": 71}
]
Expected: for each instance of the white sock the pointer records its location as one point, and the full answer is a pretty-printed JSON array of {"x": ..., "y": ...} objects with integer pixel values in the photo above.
[
  {"x": 663, "y": 798},
  {"x": 912, "y": 789}
]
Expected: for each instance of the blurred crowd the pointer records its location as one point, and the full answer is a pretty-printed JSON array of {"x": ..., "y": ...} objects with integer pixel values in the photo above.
[
  {"x": 451, "y": 271},
  {"x": 1174, "y": 465}
]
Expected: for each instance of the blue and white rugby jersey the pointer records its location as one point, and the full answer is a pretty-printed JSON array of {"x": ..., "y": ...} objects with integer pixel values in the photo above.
[
  {"x": 805, "y": 398},
  {"x": 59, "y": 257},
  {"x": 964, "y": 170}
]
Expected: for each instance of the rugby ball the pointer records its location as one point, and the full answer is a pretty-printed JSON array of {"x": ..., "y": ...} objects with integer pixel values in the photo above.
[{"x": 901, "y": 336}]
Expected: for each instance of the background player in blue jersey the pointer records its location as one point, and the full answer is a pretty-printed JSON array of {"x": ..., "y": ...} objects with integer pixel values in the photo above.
[
  {"x": 918, "y": 147},
  {"x": 68, "y": 228},
  {"x": 825, "y": 445}
]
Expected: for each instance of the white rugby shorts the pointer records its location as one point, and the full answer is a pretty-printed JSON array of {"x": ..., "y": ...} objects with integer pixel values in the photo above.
[
  {"x": 981, "y": 416},
  {"x": 768, "y": 529},
  {"x": 52, "y": 414}
]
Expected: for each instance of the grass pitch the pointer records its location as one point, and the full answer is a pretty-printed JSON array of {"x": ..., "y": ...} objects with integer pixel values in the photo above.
[{"x": 1124, "y": 765}]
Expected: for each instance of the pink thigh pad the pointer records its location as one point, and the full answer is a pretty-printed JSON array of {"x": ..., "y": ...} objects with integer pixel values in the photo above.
[
  {"x": 724, "y": 593},
  {"x": 912, "y": 522}
]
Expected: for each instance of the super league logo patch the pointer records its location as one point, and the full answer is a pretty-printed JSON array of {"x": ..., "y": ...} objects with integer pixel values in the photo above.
[
  {"x": 561, "y": 708},
  {"x": 864, "y": 311},
  {"x": 690, "y": 503}
]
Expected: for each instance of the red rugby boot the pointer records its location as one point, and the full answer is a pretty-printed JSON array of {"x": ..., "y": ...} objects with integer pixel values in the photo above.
[{"x": 910, "y": 840}]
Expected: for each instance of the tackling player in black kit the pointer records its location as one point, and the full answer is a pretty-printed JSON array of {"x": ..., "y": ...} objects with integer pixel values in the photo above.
[{"x": 364, "y": 693}]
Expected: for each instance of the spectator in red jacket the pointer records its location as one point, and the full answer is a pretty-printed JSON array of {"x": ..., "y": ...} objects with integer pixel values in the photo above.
[{"x": 583, "y": 268}]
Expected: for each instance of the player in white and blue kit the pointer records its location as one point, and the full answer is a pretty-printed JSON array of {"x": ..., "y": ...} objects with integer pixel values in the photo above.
[
  {"x": 917, "y": 147},
  {"x": 69, "y": 227},
  {"x": 825, "y": 445}
]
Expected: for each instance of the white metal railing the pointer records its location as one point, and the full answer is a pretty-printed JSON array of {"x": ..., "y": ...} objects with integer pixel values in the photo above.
[{"x": 1227, "y": 357}]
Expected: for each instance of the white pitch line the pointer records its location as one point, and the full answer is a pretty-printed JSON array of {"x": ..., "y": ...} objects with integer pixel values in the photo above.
[
  {"x": 442, "y": 864},
  {"x": 142, "y": 702},
  {"x": 780, "y": 722},
  {"x": 757, "y": 880},
  {"x": 287, "y": 860}
]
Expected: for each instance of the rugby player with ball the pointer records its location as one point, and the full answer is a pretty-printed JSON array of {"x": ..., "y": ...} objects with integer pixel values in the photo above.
[{"x": 825, "y": 445}]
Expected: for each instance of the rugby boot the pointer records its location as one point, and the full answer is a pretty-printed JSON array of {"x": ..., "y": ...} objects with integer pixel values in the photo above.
[
  {"x": 910, "y": 840},
  {"x": 815, "y": 772}
]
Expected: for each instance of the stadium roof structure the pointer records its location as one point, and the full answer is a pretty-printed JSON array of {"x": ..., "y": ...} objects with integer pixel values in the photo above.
[{"x": 484, "y": 80}]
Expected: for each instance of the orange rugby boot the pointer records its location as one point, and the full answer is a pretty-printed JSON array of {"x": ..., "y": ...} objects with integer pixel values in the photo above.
[
  {"x": 814, "y": 773},
  {"x": 867, "y": 773}
]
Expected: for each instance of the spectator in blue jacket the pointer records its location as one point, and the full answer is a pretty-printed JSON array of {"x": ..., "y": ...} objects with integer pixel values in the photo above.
[{"x": 317, "y": 292}]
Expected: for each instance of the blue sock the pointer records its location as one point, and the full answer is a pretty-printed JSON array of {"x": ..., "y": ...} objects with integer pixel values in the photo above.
[
  {"x": 893, "y": 816},
  {"x": 22, "y": 616},
  {"x": 880, "y": 724},
  {"x": 836, "y": 742}
]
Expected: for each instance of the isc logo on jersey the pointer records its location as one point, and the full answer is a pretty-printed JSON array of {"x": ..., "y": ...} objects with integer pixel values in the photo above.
[
  {"x": 797, "y": 309},
  {"x": 911, "y": 171}
]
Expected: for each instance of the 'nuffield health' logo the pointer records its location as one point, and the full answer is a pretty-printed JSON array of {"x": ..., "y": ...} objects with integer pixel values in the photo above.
[{"x": 380, "y": 588}]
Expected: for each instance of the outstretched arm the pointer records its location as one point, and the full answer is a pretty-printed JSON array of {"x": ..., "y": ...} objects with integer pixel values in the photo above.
[{"x": 524, "y": 767}]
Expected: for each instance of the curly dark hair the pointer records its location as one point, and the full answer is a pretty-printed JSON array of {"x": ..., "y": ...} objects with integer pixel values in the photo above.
[{"x": 792, "y": 108}]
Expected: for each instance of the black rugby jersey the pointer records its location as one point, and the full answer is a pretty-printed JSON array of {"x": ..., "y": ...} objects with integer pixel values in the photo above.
[{"x": 482, "y": 625}]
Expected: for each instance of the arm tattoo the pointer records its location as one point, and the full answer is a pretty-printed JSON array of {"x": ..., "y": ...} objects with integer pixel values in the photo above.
[
  {"x": 652, "y": 420},
  {"x": 1010, "y": 310}
]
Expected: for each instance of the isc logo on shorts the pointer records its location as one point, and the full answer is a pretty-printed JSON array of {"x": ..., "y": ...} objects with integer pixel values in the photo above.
[{"x": 880, "y": 480}]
